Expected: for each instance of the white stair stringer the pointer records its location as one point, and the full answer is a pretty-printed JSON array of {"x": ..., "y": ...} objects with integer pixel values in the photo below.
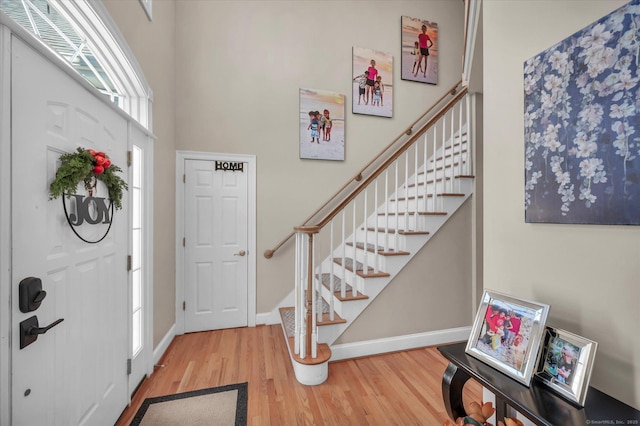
[{"x": 349, "y": 310}]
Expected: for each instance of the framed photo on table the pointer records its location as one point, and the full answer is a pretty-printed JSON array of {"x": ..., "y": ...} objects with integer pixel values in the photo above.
[
  {"x": 565, "y": 364},
  {"x": 507, "y": 333}
]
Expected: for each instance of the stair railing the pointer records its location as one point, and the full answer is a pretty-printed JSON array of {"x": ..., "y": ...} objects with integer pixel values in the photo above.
[
  {"x": 422, "y": 172},
  {"x": 347, "y": 187}
]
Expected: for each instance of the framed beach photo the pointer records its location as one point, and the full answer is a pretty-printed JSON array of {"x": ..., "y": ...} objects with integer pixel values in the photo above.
[
  {"x": 507, "y": 333},
  {"x": 420, "y": 51},
  {"x": 321, "y": 117},
  {"x": 565, "y": 364},
  {"x": 372, "y": 82}
]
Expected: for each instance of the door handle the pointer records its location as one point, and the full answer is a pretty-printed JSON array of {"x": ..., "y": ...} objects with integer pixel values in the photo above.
[
  {"x": 30, "y": 329},
  {"x": 240, "y": 253}
]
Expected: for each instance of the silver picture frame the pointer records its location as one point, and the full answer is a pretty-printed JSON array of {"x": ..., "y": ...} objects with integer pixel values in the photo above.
[
  {"x": 507, "y": 333},
  {"x": 566, "y": 362}
]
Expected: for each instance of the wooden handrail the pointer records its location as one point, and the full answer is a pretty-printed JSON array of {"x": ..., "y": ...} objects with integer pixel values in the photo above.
[
  {"x": 359, "y": 176},
  {"x": 391, "y": 159}
]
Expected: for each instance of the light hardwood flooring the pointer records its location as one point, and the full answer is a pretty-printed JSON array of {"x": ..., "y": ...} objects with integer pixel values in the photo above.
[{"x": 400, "y": 388}]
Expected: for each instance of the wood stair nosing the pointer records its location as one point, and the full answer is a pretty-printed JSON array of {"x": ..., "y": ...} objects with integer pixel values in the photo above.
[
  {"x": 381, "y": 252},
  {"x": 432, "y": 181},
  {"x": 414, "y": 213},
  {"x": 359, "y": 269},
  {"x": 444, "y": 194},
  {"x": 401, "y": 232}
]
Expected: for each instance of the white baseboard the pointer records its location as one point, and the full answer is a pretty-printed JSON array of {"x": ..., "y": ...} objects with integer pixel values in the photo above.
[
  {"x": 398, "y": 343},
  {"x": 164, "y": 344},
  {"x": 268, "y": 318}
]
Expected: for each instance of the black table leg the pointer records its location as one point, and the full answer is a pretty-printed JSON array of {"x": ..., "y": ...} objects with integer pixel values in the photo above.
[{"x": 453, "y": 382}]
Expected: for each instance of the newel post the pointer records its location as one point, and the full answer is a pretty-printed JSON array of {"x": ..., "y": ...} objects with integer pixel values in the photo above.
[{"x": 305, "y": 294}]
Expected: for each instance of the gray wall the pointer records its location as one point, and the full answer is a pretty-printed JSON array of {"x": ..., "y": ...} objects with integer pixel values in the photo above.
[
  {"x": 587, "y": 273},
  {"x": 226, "y": 76}
]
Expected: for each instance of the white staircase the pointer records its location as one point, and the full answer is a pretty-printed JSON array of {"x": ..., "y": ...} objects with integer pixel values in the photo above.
[{"x": 343, "y": 264}]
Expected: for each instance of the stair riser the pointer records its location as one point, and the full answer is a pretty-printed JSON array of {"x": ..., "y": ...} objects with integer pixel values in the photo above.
[{"x": 442, "y": 204}]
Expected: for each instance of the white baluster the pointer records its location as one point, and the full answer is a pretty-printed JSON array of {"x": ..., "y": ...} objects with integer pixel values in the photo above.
[
  {"x": 343, "y": 274},
  {"x": 314, "y": 301},
  {"x": 332, "y": 284},
  {"x": 297, "y": 305},
  {"x": 425, "y": 169},
  {"x": 354, "y": 292},
  {"x": 375, "y": 232},
  {"x": 435, "y": 167},
  {"x": 469, "y": 144},
  {"x": 303, "y": 299},
  {"x": 415, "y": 173},
  {"x": 406, "y": 190},
  {"x": 453, "y": 150},
  {"x": 460, "y": 147},
  {"x": 397, "y": 186},
  {"x": 365, "y": 256},
  {"x": 386, "y": 210}
]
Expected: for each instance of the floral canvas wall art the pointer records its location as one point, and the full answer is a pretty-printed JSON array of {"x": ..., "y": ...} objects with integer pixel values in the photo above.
[{"x": 582, "y": 125}]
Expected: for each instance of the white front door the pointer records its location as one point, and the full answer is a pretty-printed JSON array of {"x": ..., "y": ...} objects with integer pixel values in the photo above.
[
  {"x": 216, "y": 245},
  {"x": 76, "y": 372}
]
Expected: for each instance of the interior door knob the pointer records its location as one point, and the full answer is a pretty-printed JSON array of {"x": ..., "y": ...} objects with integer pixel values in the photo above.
[{"x": 240, "y": 253}]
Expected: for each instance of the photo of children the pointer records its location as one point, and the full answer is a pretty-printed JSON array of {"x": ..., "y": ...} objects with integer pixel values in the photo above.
[
  {"x": 419, "y": 60},
  {"x": 321, "y": 118},
  {"x": 370, "y": 69},
  {"x": 561, "y": 359},
  {"x": 505, "y": 332}
]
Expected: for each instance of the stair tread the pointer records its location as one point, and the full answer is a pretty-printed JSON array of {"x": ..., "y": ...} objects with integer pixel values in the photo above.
[
  {"x": 380, "y": 250},
  {"x": 287, "y": 314},
  {"x": 431, "y": 181},
  {"x": 413, "y": 213},
  {"x": 359, "y": 268},
  {"x": 444, "y": 194},
  {"x": 337, "y": 288},
  {"x": 401, "y": 232}
]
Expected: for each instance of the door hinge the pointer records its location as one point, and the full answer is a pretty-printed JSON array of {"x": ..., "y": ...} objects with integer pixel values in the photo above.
[
  {"x": 129, "y": 262},
  {"x": 184, "y": 242},
  {"x": 129, "y": 158},
  {"x": 129, "y": 366},
  {"x": 184, "y": 178},
  {"x": 184, "y": 305}
]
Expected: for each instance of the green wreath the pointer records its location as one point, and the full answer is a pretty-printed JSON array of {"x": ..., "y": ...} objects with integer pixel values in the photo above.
[{"x": 88, "y": 167}]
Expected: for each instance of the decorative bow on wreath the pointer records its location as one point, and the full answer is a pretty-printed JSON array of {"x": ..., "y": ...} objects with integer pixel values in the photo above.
[{"x": 89, "y": 167}]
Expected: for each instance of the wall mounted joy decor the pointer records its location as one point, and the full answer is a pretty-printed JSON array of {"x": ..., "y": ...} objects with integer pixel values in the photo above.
[{"x": 582, "y": 125}]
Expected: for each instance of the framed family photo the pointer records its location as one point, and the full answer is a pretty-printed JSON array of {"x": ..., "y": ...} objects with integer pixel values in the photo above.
[
  {"x": 419, "y": 61},
  {"x": 372, "y": 82},
  {"x": 321, "y": 117},
  {"x": 565, "y": 364},
  {"x": 507, "y": 333}
]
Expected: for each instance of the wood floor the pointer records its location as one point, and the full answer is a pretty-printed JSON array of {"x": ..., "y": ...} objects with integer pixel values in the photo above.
[{"x": 401, "y": 388}]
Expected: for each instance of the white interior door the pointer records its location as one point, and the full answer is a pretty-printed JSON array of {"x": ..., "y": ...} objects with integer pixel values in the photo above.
[
  {"x": 216, "y": 246},
  {"x": 76, "y": 372}
]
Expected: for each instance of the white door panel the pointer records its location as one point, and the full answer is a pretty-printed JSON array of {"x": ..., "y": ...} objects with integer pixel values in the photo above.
[
  {"x": 216, "y": 278},
  {"x": 76, "y": 372}
]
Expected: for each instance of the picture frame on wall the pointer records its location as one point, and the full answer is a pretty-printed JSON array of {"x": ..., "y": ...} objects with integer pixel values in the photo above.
[
  {"x": 507, "y": 333},
  {"x": 420, "y": 50},
  {"x": 372, "y": 82},
  {"x": 321, "y": 117},
  {"x": 566, "y": 362}
]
